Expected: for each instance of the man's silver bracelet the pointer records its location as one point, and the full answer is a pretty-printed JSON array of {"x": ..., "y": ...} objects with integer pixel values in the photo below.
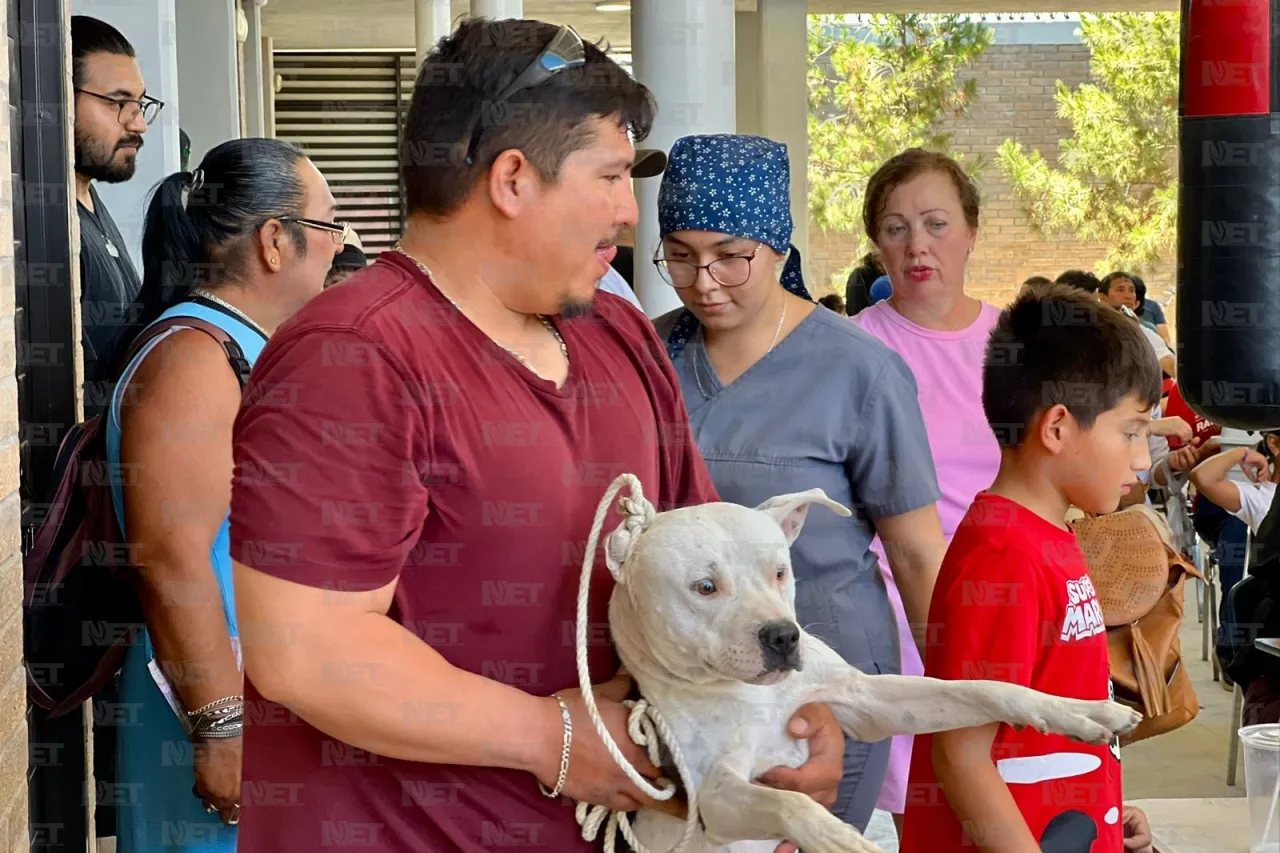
[{"x": 564, "y": 753}]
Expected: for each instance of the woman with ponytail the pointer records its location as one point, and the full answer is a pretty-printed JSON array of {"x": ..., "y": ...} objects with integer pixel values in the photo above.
[{"x": 230, "y": 251}]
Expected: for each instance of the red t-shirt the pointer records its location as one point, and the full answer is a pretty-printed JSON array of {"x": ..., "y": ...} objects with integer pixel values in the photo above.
[
  {"x": 384, "y": 436},
  {"x": 1014, "y": 603},
  {"x": 1203, "y": 428}
]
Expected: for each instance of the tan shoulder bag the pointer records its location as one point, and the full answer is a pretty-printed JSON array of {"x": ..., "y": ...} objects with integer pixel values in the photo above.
[{"x": 1140, "y": 580}]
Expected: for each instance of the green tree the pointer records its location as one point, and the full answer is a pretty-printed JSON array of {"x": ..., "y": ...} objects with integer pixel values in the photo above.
[
  {"x": 1117, "y": 174},
  {"x": 876, "y": 90}
]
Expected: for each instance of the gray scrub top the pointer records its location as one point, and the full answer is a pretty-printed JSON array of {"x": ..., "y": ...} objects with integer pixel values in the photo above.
[{"x": 830, "y": 407}]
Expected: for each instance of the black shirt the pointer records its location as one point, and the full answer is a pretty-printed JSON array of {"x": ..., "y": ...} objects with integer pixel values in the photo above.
[{"x": 109, "y": 286}]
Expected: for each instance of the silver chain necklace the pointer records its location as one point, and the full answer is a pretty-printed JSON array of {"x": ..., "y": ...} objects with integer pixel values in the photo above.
[
  {"x": 204, "y": 294},
  {"x": 697, "y": 374},
  {"x": 546, "y": 322}
]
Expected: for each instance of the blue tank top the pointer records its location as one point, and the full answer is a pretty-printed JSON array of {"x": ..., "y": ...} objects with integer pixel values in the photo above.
[{"x": 251, "y": 342}]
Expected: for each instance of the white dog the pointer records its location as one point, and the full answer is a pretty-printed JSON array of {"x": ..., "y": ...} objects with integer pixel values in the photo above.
[{"x": 704, "y": 619}]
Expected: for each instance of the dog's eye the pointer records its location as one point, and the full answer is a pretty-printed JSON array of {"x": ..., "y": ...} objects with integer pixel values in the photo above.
[
  {"x": 706, "y": 586},
  {"x": 782, "y": 573}
]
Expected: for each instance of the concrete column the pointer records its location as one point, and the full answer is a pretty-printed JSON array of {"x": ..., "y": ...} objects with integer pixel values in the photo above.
[
  {"x": 431, "y": 20},
  {"x": 783, "y": 99},
  {"x": 497, "y": 9},
  {"x": 268, "y": 88},
  {"x": 150, "y": 26},
  {"x": 255, "y": 115},
  {"x": 683, "y": 50},
  {"x": 747, "y": 71},
  {"x": 208, "y": 76}
]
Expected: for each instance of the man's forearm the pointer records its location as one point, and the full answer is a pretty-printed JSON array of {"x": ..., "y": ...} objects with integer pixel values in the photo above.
[
  {"x": 979, "y": 797},
  {"x": 365, "y": 680}
]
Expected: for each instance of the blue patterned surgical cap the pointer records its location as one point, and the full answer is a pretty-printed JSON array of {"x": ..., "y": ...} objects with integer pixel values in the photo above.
[{"x": 729, "y": 184}]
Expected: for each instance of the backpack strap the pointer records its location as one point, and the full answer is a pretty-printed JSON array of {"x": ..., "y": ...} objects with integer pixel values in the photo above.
[{"x": 235, "y": 355}]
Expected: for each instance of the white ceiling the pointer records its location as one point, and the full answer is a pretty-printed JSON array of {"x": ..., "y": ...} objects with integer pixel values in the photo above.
[{"x": 335, "y": 24}]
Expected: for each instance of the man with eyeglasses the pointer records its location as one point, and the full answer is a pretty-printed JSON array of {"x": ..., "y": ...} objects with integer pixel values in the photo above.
[
  {"x": 414, "y": 494},
  {"x": 112, "y": 111}
]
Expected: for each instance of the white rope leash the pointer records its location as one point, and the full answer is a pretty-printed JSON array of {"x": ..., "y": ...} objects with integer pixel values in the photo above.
[{"x": 646, "y": 725}]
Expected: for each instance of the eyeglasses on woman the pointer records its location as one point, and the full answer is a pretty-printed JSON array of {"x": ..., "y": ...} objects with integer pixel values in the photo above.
[
  {"x": 731, "y": 271},
  {"x": 337, "y": 229}
]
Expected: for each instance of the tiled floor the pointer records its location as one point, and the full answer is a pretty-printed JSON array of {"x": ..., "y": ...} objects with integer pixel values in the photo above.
[{"x": 1189, "y": 762}]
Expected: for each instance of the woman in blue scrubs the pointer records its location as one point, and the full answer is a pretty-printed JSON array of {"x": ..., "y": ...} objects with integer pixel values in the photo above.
[{"x": 784, "y": 395}]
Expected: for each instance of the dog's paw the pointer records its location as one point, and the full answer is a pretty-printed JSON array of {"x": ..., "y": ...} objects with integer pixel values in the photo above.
[
  {"x": 835, "y": 836},
  {"x": 1099, "y": 722}
]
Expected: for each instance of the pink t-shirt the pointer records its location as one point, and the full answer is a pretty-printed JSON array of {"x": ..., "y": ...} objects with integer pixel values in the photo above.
[{"x": 948, "y": 371}]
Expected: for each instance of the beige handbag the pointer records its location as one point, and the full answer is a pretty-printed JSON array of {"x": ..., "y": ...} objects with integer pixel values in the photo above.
[{"x": 1140, "y": 580}]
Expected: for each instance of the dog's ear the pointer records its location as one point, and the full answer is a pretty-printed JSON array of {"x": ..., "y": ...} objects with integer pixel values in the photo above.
[
  {"x": 618, "y": 546},
  {"x": 637, "y": 517},
  {"x": 790, "y": 510}
]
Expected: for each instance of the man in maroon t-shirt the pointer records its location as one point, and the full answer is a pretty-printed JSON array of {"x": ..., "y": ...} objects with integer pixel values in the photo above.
[{"x": 418, "y": 462}]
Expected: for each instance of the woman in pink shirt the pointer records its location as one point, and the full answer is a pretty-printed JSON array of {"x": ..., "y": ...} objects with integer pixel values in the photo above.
[{"x": 921, "y": 211}]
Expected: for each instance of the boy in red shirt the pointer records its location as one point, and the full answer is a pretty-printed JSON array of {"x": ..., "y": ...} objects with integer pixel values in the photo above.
[{"x": 1068, "y": 389}]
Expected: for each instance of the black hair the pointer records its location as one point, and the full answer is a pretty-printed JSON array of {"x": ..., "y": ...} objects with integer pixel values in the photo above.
[
  {"x": 857, "y": 290},
  {"x": 833, "y": 301},
  {"x": 1080, "y": 279},
  {"x": 1262, "y": 445},
  {"x": 88, "y": 36},
  {"x": 1060, "y": 345},
  {"x": 455, "y": 93},
  {"x": 1104, "y": 286},
  {"x": 1037, "y": 281},
  {"x": 350, "y": 258},
  {"x": 1140, "y": 288},
  {"x": 196, "y": 221}
]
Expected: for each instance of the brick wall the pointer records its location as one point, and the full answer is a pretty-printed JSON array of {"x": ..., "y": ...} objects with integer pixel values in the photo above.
[
  {"x": 1016, "y": 85},
  {"x": 13, "y": 730}
]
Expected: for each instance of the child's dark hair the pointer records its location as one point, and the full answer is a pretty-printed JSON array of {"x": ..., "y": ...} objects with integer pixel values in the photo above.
[
  {"x": 1263, "y": 448},
  {"x": 1060, "y": 345},
  {"x": 1080, "y": 279}
]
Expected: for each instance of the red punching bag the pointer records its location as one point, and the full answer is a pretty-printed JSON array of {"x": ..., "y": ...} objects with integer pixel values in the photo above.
[{"x": 1228, "y": 318}]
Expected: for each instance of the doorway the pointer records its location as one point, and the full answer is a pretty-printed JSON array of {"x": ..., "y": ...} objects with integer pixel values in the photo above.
[{"x": 45, "y": 366}]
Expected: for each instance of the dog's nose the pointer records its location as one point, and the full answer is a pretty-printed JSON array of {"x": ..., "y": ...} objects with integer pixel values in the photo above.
[{"x": 779, "y": 638}]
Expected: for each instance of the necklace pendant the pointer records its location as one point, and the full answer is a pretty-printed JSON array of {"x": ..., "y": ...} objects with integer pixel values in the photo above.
[{"x": 112, "y": 250}]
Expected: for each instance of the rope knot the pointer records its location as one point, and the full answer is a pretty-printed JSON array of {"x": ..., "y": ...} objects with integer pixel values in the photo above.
[
  {"x": 637, "y": 513},
  {"x": 645, "y": 724},
  {"x": 637, "y": 516}
]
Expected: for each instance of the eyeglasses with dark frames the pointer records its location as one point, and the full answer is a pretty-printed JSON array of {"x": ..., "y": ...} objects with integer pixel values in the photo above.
[
  {"x": 337, "y": 229},
  {"x": 129, "y": 109},
  {"x": 731, "y": 271},
  {"x": 565, "y": 50}
]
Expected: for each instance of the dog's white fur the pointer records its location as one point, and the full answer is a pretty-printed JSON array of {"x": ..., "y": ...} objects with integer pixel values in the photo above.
[{"x": 698, "y": 657}]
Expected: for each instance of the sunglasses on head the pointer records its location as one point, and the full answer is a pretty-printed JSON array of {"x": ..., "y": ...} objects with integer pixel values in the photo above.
[{"x": 565, "y": 50}]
